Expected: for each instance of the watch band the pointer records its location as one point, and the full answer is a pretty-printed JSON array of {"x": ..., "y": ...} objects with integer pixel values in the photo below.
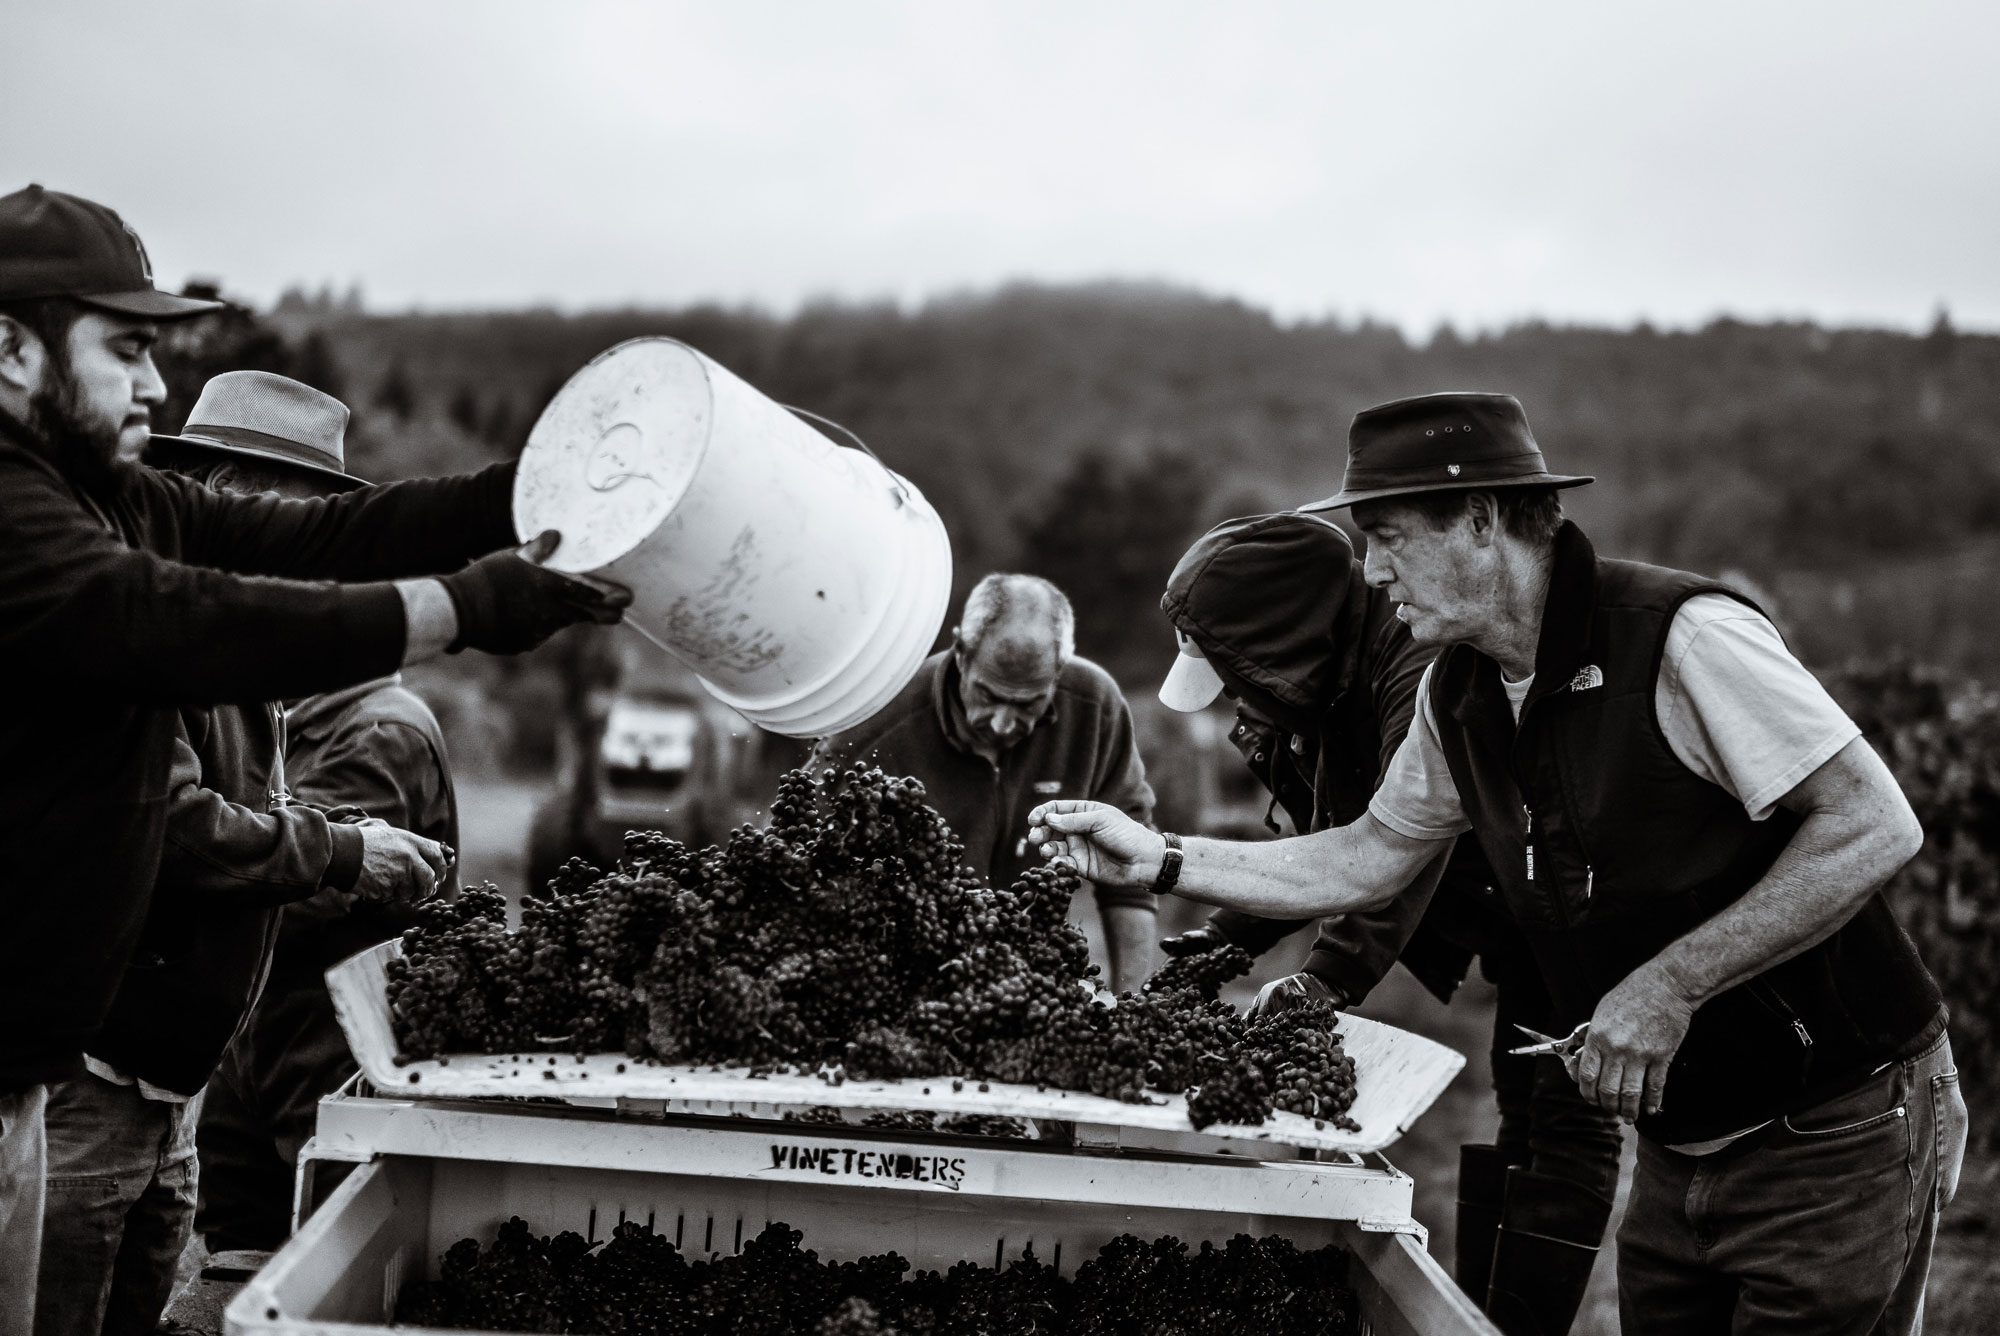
[{"x": 1170, "y": 864}]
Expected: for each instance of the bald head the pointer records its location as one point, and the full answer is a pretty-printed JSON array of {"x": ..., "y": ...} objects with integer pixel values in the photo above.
[
  {"x": 1013, "y": 641},
  {"x": 1021, "y": 617}
]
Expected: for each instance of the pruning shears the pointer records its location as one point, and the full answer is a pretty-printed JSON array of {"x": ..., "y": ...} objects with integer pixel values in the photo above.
[{"x": 1566, "y": 1047}]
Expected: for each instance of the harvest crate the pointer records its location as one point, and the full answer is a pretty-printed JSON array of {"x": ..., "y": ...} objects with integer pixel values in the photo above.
[
  {"x": 433, "y": 1172},
  {"x": 1398, "y": 1075}
]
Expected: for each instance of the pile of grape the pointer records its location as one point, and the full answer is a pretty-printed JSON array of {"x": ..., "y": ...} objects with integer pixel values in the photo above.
[
  {"x": 637, "y": 1281},
  {"x": 847, "y": 935}
]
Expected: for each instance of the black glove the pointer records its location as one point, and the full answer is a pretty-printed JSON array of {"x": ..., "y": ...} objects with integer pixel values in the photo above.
[
  {"x": 1194, "y": 942},
  {"x": 508, "y": 601},
  {"x": 1281, "y": 995}
]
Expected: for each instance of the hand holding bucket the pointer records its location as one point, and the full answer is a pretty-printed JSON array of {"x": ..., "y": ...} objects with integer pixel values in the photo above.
[{"x": 512, "y": 601}]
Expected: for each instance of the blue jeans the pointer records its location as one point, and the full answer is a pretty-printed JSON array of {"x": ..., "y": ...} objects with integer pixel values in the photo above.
[
  {"x": 23, "y": 1158},
  {"x": 121, "y": 1190},
  {"x": 1821, "y": 1222}
]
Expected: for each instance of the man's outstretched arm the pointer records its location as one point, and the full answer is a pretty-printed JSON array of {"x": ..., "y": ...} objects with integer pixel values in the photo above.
[{"x": 1348, "y": 868}]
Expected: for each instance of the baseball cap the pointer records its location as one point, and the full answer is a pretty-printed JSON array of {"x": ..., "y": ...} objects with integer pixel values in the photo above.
[
  {"x": 57, "y": 245},
  {"x": 1192, "y": 682}
]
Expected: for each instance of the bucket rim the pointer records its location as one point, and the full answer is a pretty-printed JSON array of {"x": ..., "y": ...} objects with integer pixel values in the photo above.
[{"x": 693, "y": 466}]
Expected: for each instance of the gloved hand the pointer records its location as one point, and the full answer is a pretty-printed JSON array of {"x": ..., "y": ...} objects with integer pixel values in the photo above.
[
  {"x": 1281, "y": 995},
  {"x": 1194, "y": 942},
  {"x": 508, "y": 601}
]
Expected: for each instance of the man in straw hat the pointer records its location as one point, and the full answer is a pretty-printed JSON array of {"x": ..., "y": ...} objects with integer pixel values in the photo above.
[
  {"x": 1691, "y": 835},
  {"x": 1274, "y": 611},
  {"x": 125, "y": 592},
  {"x": 239, "y": 849}
]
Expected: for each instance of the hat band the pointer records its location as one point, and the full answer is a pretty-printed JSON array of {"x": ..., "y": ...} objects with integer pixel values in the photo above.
[
  {"x": 1467, "y": 471},
  {"x": 249, "y": 438}
]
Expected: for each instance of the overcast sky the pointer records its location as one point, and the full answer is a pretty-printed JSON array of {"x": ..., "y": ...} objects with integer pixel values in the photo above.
[{"x": 1474, "y": 161}]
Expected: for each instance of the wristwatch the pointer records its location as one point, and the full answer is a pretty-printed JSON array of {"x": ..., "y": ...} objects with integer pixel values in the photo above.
[{"x": 1170, "y": 864}]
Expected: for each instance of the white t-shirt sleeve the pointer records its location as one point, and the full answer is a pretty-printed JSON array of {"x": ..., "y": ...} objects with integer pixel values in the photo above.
[
  {"x": 1738, "y": 709},
  {"x": 1417, "y": 797}
]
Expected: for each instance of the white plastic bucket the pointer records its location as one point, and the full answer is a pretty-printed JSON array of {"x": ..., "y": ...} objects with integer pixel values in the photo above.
[{"x": 802, "y": 581}]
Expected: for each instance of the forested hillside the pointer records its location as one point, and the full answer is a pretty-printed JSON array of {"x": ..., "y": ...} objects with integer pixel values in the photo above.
[{"x": 1853, "y": 476}]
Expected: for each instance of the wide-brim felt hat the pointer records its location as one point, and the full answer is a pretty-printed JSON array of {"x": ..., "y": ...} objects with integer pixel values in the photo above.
[
  {"x": 1450, "y": 442},
  {"x": 273, "y": 420}
]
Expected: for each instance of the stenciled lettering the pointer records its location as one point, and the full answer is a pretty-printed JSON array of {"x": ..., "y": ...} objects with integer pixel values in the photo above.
[{"x": 945, "y": 1171}]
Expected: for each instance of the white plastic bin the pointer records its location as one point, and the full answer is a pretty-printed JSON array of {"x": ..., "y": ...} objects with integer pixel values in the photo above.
[{"x": 433, "y": 1172}]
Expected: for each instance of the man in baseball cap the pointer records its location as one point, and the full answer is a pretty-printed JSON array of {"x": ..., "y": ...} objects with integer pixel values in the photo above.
[
  {"x": 77, "y": 278},
  {"x": 1692, "y": 837},
  {"x": 125, "y": 593}
]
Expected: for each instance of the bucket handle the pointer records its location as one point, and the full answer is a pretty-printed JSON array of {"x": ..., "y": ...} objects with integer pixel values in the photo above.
[{"x": 895, "y": 484}]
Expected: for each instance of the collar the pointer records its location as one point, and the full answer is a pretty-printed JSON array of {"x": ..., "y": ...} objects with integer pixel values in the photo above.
[
  {"x": 318, "y": 712},
  {"x": 949, "y": 707},
  {"x": 1569, "y": 611}
]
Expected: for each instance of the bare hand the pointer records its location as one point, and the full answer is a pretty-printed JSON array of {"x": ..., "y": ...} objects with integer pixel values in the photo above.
[
  {"x": 1634, "y": 1033},
  {"x": 1099, "y": 841},
  {"x": 1294, "y": 990},
  {"x": 399, "y": 866}
]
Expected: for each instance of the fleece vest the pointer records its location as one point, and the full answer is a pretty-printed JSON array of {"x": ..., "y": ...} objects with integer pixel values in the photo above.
[{"x": 1607, "y": 848}]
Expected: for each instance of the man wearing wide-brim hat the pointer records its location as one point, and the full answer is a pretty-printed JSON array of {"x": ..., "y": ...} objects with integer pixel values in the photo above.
[
  {"x": 286, "y": 435},
  {"x": 376, "y": 749},
  {"x": 239, "y": 850},
  {"x": 1693, "y": 838}
]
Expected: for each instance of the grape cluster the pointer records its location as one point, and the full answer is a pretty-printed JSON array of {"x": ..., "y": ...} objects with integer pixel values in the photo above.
[
  {"x": 1311, "y": 1074},
  {"x": 638, "y": 1282},
  {"x": 848, "y": 935},
  {"x": 453, "y": 988},
  {"x": 1204, "y": 970}
]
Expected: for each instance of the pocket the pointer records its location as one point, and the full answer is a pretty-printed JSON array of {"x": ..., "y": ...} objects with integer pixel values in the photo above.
[
  {"x": 1948, "y": 1113},
  {"x": 1871, "y": 1104}
]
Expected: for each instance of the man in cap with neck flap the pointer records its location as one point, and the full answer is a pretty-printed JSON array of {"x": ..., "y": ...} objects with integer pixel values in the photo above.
[
  {"x": 1692, "y": 837},
  {"x": 126, "y": 593},
  {"x": 1274, "y": 611}
]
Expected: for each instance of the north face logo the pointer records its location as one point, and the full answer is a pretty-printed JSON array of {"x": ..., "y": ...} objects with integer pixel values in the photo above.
[{"x": 1588, "y": 676}]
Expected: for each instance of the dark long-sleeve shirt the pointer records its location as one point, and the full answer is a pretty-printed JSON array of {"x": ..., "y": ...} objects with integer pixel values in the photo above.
[
  {"x": 113, "y": 611},
  {"x": 225, "y": 845},
  {"x": 231, "y": 862}
]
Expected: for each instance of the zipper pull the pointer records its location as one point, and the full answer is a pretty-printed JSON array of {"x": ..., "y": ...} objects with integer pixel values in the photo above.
[
  {"x": 1805, "y": 1038},
  {"x": 1589, "y": 880},
  {"x": 1530, "y": 840}
]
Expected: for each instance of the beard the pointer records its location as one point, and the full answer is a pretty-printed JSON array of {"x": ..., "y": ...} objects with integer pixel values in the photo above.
[{"x": 81, "y": 444}]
